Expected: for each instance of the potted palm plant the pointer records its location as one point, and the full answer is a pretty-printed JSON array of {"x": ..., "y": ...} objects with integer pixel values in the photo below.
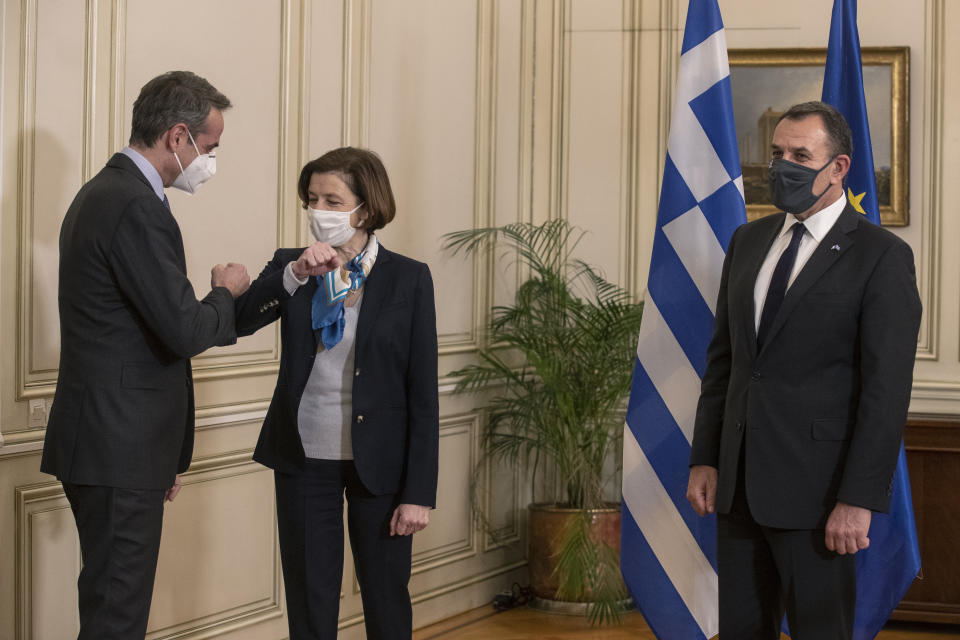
[{"x": 559, "y": 360}]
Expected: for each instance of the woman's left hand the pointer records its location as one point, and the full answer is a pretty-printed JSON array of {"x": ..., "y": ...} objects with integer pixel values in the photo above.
[
  {"x": 409, "y": 518},
  {"x": 172, "y": 492}
]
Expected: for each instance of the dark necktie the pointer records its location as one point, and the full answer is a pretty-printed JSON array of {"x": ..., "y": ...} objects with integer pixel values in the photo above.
[
  {"x": 778, "y": 284},
  {"x": 166, "y": 202}
]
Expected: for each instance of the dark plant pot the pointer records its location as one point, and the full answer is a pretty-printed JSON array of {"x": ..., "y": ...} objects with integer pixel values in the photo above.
[{"x": 547, "y": 523}]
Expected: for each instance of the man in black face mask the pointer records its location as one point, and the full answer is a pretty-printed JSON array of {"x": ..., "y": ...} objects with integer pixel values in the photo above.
[{"x": 805, "y": 393}]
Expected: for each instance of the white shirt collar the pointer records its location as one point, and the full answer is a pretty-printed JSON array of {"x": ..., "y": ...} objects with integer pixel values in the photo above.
[{"x": 819, "y": 223}]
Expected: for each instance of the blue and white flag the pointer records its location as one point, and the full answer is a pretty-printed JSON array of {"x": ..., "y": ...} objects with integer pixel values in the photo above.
[
  {"x": 887, "y": 568},
  {"x": 668, "y": 554}
]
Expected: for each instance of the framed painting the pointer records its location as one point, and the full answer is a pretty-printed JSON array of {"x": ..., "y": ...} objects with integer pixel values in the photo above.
[{"x": 765, "y": 82}]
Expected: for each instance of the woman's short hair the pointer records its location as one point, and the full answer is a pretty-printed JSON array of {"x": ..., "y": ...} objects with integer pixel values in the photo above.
[{"x": 363, "y": 172}]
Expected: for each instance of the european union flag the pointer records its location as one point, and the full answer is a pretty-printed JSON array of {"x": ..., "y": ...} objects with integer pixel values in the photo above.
[
  {"x": 887, "y": 568},
  {"x": 843, "y": 88}
]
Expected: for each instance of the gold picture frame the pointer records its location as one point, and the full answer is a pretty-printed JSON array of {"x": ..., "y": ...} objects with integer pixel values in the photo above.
[{"x": 764, "y": 82}]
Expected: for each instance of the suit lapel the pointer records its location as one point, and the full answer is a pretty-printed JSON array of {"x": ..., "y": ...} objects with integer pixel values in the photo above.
[
  {"x": 754, "y": 260},
  {"x": 831, "y": 248},
  {"x": 375, "y": 290}
]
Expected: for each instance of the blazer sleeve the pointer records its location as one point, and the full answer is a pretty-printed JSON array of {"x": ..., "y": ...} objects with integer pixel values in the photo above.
[
  {"x": 705, "y": 448},
  {"x": 423, "y": 408},
  {"x": 889, "y": 324},
  {"x": 146, "y": 254},
  {"x": 260, "y": 304}
]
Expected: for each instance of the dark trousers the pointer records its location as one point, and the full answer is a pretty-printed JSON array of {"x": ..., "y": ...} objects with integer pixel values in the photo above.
[
  {"x": 764, "y": 572},
  {"x": 310, "y": 523},
  {"x": 119, "y": 542}
]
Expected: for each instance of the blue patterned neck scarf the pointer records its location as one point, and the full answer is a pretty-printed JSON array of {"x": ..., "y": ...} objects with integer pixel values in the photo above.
[{"x": 327, "y": 313}]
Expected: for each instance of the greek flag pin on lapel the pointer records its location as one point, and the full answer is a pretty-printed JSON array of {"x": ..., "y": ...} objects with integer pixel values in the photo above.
[{"x": 835, "y": 247}]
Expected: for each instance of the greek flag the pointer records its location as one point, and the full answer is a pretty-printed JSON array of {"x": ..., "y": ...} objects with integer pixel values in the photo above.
[
  {"x": 887, "y": 568},
  {"x": 668, "y": 553}
]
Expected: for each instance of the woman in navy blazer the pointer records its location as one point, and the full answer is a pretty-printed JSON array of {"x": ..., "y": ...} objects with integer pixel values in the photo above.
[{"x": 355, "y": 409}]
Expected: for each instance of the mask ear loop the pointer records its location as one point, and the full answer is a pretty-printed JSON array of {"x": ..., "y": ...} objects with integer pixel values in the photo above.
[
  {"x": 194, "y": 143},
  {"x": 819, "y": 171},
  {"x": 362, "y": 220}
]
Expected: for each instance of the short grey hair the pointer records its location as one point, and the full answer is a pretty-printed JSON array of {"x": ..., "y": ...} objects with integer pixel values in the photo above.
[{"x": 172, "y": 98}]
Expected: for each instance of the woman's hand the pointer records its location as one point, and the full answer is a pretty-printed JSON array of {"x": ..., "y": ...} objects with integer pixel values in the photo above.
[
  {"x": 316, "y": 260},
  {"x": 409, "y": 518},
  {"x": 172, "y": 492}
]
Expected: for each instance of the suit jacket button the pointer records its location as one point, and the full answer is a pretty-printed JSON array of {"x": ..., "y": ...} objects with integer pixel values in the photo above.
[
  {"x": 360, "y": 419},
  {"x": 755, "y": 376}
]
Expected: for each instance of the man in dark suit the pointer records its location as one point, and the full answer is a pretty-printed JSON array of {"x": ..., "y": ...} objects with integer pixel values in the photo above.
[
  {"x": 805, "y": 393},
  {"x": 121, "y": 426}
]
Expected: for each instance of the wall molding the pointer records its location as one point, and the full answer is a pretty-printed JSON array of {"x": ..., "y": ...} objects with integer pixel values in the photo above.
[
  {"x": 117, "y": 83},
  {"x": 932, "y": 200},
  {"x": 945, "y": 390},
  {"x": 631, "y": 191},
  {"x": 444, "y": 590},
  {"x": 454, "y": 550},
  {"x": 511, "y": 533},
  {"x": 29, "y": 500},
  {"x": 466, "y": 582},
  {"x": 293, "y": 126},
  {"x": 485, "y": 149},
  {"x": 31, "y": 382},
  {"x": 245, "y": 615},
  {"x": 41, "y": 498},
  {"x": 357, "y": 54},
  {"x": 484, "y": 179},
  {"x": 559, "y": 201}
]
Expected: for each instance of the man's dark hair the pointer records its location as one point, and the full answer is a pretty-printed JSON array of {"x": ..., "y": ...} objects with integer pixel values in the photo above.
[
  {"x": 172, "y": 98},
  {"x": 838, "y": 131}
]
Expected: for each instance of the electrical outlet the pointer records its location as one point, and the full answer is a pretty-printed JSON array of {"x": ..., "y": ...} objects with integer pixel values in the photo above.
[{"x": 38, "y": 412}]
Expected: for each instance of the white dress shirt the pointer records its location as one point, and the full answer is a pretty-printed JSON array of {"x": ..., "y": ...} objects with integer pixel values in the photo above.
[{"x": 815, "y": 229}]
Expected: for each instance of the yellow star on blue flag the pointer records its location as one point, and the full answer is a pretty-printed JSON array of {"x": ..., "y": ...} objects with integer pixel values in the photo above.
[{"x": 855, "y": 200}]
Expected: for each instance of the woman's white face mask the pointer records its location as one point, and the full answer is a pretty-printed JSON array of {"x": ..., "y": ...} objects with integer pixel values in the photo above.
[{"x": 332, "y": 227}]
